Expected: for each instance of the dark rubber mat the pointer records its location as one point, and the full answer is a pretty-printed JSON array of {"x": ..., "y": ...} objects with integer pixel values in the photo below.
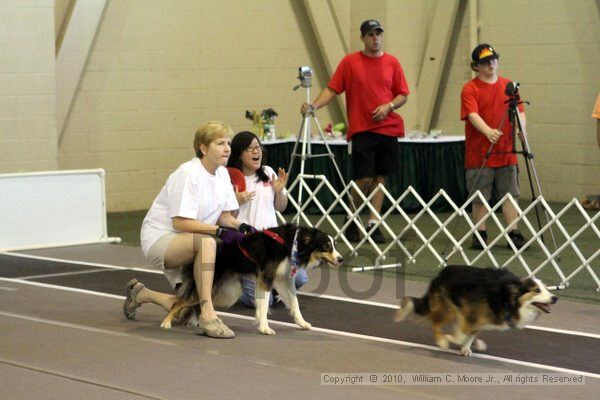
[
  {"x": 16, "y": 267},
  {"x": 110, "y": 281},
  {"x": 566, "y": 351},
  {"x": 560, "y": 350}
]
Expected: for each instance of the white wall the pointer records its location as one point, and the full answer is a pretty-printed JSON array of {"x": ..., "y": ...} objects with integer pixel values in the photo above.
[
  {"x": 552, "y": 47},
  {"x": 27, "y": 88},
  {"x": 159, "y": 69}
]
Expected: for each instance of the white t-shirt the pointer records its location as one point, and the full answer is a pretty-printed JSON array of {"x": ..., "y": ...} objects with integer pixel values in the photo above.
[
  {"x": 190, "y": 192},
  {"x": 260, "y": 212}
]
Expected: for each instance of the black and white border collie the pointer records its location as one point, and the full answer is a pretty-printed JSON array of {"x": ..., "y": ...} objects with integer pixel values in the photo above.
[
  {"x": 272, "y": 257},
  {"x": 470, "y": 300}
]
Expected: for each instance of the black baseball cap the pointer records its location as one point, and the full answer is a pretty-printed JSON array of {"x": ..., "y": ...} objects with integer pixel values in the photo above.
[
  {"x": 484, "y": 52},
  {"x": 368, "y": 26}
]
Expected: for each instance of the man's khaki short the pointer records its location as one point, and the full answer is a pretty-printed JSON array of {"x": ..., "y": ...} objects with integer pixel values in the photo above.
[{"x": 493, "y": 183}]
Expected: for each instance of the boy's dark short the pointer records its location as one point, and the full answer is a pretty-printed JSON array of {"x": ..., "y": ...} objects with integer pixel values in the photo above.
[
  {"x": 374, "y": 154},
  {"x": 494, "y": 182}
]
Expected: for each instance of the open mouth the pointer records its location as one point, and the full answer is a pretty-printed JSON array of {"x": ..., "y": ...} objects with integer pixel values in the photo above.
[
  {"x": 542, "y": 306},
  {"x": 333, "y": 263}
]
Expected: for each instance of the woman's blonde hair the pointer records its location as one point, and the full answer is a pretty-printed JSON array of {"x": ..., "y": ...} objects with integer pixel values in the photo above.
[{"x": 208, "y": 132}]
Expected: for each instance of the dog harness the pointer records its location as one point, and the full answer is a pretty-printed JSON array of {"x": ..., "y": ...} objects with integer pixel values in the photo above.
[
  {"x": 275, "y": 236},
  {"x": 294, "y": 260},
  {"x": 270, "y": 234}
]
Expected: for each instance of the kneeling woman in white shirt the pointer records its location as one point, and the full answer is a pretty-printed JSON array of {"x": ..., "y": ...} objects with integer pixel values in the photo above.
[
  {"x": 179, "y": 229},
  {"x": 265, "y": 193}
]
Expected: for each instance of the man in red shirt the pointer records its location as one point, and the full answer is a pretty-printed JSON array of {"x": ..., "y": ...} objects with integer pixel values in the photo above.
[
  {"x": 484, "y": 110},
  {"x": 375, "y": 86}
]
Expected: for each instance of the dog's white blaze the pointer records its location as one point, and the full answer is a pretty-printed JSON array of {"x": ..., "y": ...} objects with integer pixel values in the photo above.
[
  {"x": 544, "y": 296},
  {"x": 528, "y": 312},
  {"x": 332, "y": 257},
  {"x": 336, "y": 254}
]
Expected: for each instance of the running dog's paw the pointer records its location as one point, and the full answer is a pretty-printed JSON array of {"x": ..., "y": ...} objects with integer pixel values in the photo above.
[
  {"x": 266, "y": 330},
  {"x": 480, "y": 345},
  {"x": 443, "y": 343},
  {"x": 304, "y": 325},
  {"x": 450, "y": 338},
  {"x": 166, "y": 324},
  {"x": 466, "y": 351}
]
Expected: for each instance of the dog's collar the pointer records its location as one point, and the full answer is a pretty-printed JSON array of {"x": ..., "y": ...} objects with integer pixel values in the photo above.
[
  {"x": 274, "y": 236},
  {"x": 294, "y": 260}
]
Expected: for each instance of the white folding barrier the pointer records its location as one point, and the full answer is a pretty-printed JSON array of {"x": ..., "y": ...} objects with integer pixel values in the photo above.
[
  {"x": 51, "y": 209},
  {"x": 457, "y": 241}
]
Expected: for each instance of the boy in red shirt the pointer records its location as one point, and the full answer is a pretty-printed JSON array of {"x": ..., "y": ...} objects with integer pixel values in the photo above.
[{"x": 484, "y": 110}]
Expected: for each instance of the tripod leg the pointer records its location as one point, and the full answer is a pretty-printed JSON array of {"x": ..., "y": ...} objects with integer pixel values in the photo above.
[
  {"x": 529, "y": 160},
  {"x": 293, "y": 158},
  {"x": 332, "y": 156},
  {"x": 304, "y": 135},
  {"x": 533, "y": 198}
]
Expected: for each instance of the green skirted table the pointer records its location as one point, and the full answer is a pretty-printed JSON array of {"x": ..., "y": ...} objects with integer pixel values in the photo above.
[{"x": 427, "y": 165}]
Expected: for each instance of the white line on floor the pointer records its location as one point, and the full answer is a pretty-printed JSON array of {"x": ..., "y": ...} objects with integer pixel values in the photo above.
[
  {"x": 316, "y": 329},
  {"x": 87, "y": 271},
  {"x": 80, "y": 327},
  {"x": 349, "y": 300},
  {"x": 76, "y": 262},
  {"x": 324, "y": 296}
]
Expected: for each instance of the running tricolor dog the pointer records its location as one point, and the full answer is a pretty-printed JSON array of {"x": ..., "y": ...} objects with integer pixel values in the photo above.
[
  {"x": 271, "y": 256},
  {"x": 471, "y": 300}
]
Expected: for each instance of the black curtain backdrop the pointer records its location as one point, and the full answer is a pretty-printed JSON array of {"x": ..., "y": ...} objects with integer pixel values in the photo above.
[{"x": 427, "y": 167}]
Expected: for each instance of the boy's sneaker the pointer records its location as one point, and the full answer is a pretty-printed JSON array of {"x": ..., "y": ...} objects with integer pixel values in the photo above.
[
  {"x": 352, "y": 233},
  {"x": 376, "y": 235},
  {"x": 476, "y": 244},
  {"x": 517, "y": 239}
]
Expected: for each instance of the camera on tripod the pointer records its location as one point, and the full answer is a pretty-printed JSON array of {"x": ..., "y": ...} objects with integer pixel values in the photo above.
[
  {"x": 512, "y": 89},
  {"x": 305, "y": 76}
]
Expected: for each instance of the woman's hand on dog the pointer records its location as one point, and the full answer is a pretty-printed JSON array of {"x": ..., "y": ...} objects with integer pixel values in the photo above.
[
  {"x": 229, "y": 236},
  {"x": 246, "y": 229}
]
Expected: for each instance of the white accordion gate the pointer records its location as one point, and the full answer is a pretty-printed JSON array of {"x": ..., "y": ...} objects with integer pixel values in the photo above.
[{"x": 456, "y": 241}]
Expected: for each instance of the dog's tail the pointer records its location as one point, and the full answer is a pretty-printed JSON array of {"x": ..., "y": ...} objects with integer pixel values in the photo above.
[{"x": 408, "y": 305}]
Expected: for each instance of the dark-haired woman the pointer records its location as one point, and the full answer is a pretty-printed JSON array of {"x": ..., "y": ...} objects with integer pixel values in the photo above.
[{"x": 264, "y": 195}]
